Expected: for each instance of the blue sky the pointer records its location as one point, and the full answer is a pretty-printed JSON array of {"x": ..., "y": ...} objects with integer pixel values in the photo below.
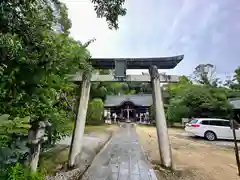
[{"x": 205, "y": 31}]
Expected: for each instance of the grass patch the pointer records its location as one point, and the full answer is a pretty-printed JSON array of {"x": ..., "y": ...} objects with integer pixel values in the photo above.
[
  {"x": 54, "y": 160},
  {"x": 101, "y": 128},
  {"x": 89, "y": 128}
]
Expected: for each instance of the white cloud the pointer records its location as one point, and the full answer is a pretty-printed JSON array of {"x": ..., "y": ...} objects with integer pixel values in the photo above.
[
  {"x": 86, "y": 25},
  {"x": 201, "y": 29}
]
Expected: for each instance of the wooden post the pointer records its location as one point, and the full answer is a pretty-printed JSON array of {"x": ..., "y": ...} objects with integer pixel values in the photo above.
[{"x": 233, "y": 126}]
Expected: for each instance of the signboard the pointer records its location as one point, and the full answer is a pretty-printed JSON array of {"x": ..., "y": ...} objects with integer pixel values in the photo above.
[{"x": 120, "y": 68}]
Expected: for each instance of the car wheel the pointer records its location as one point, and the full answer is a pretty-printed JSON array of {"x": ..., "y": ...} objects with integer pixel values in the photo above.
[{"x": 211, "y": 136}]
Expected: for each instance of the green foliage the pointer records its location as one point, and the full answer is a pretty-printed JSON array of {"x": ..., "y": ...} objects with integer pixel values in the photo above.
[
  {"x": 237, "y": 75},
  {"x": 234, "y": 83},
  {"x": 18, "y": 172},
  {"x": 98, "y": 90},
  {"x": 174, "y": 89},
  {"x": 176, "y": 110},
  {"x": 198, "y": 101},
  {"x": 102, "y": 89},
  {"x": 110, "y": 9},
  {"x": 184, "y": 80},
  {"x": 140, "y": 87},
  {"x": 132, "y": 91},
  {"x": 95, "y": 112},
  {"x": 35, "y": 61},
  {"x": 233, "y": 93},
  {"x": 13, "y": 139},
  {"x": 16, "y": 125},
  {"x": 36, "y": 55}
]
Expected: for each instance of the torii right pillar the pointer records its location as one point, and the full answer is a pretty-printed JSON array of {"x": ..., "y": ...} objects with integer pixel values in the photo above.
[{"x": 162, "y": 131}]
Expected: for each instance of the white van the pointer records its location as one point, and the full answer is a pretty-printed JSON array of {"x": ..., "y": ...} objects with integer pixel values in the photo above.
[{"x": 211, "y": 129}]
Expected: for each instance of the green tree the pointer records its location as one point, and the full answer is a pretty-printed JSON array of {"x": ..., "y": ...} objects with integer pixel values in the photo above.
[
  {"x": 98, "y": 90},
  {"x": 235, "y": 82},
  {"x": 95, "y": 112},
  {"x": 110, "y": 10},
  {"x": 184, "y": 80},
  {"x": 176, "y": 110},
  {"x": 206, "y": 74},
  {"x": 237, "y": 75},
  {"x": 34, "y": 62},
  {"x": 174, "y": 89},
  {"x": 36, "y": 55},
  {"x": 198, "y": 101}
]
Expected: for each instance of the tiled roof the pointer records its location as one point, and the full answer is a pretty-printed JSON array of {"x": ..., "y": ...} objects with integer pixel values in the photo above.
[
  {"x": 235, "y": 102},
  {"x": 139, "y": 100}
]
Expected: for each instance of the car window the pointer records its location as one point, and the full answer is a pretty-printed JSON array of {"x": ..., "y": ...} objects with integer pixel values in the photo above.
[
  {"x": 193, "y": 121},
  {"x": 220, "y": 123},
  {"x": 205, "y": 122},
  {"x": 216, "y": 123},
  {"x": 226, "y": 123}
]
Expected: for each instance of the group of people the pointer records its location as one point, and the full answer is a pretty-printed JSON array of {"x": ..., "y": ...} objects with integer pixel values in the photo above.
[{"x": 142, "y": 118}]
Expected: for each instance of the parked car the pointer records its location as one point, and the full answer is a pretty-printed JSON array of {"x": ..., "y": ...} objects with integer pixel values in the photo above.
[{"x": 211, "y": 128}]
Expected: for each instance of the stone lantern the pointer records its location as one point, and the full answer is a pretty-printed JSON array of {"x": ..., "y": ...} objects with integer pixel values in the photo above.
[{"x": 36, "y": 136}]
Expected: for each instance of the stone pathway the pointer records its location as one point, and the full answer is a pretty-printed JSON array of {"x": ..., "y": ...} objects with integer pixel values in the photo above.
[{"x": 121, "y": 159}]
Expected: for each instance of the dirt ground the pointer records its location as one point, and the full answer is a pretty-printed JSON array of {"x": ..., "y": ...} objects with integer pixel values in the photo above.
[{"x": 193, "y": 160}]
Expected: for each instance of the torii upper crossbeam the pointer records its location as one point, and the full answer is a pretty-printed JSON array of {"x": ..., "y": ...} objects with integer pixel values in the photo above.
[{"x": 138, "y": 63}]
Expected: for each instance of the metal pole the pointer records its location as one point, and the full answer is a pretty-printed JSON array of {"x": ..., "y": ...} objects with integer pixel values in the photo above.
[
  {"x": 236, "y": 146},
  {"x": 162, "y": 132},
  {"x": 79, "y": 126}
]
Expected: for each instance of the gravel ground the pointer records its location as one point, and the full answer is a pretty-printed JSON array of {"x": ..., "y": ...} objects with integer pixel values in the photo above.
[
  {"x": 194, "y": 159},
  {"x": 223, "y": 143}
]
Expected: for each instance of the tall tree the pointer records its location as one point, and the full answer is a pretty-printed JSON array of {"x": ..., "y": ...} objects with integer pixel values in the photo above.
[
  {"x": 35, "y": 57},
  {"x": 206, "y": 74},
  {"x": 198, "y": 101},
  {"x": 110, "y": 10},
  {"x": 36, "y": 54},
  {"x": 237, "y": 75},
  {"x": 234, "y": 83}
]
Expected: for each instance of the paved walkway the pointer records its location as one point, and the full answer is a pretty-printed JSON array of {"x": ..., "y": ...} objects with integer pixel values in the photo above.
[{"x": 121, "y": 159}]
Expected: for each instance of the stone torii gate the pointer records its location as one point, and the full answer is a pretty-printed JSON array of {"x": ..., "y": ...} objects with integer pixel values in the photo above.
[{"x": 121, "y": 65}]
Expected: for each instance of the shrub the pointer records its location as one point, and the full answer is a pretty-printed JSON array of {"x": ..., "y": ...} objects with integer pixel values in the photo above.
[
  {"x": 19, "y": 172},
  {"x": 95, "y": 112},
  {"x": 176, "y": 111},
  {"x": 13, "y": 141}
]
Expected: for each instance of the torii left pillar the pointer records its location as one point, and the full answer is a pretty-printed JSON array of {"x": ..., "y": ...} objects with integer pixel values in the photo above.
[
  {"x": 78, "y": 132},
  {"x": 161, "y": 125}
]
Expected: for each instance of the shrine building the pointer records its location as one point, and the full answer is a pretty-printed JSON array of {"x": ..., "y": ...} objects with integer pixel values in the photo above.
[{"x": 129, "y": 107}]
